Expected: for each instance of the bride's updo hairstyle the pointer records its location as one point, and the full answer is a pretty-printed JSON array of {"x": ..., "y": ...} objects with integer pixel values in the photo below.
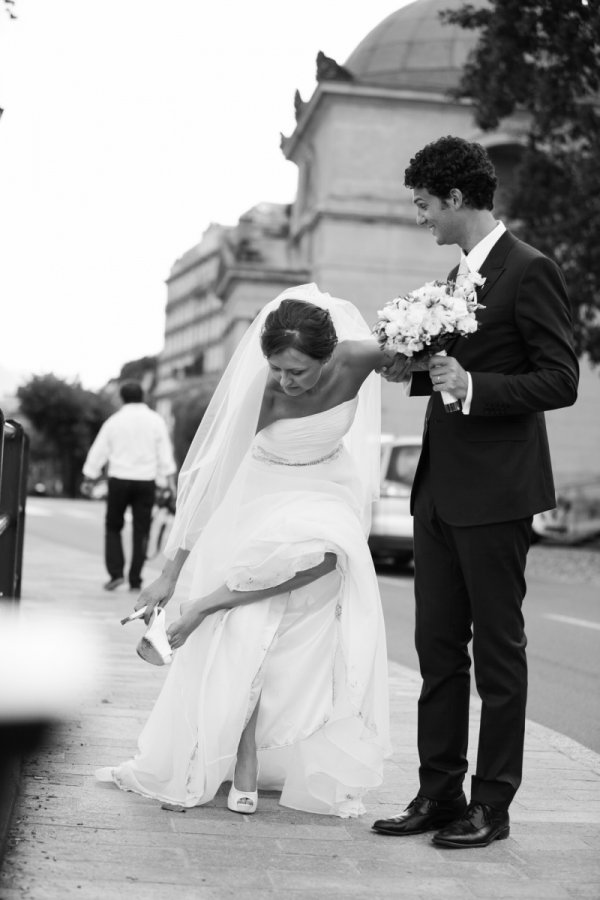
[{"x": 301, "y": 326}]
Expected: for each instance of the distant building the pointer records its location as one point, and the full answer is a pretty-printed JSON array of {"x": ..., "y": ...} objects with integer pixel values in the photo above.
[
  {"x": 213, "y": 293},
  {"x": 351, "y": 227}
]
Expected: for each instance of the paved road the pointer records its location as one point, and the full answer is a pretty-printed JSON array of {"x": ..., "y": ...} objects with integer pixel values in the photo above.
[
  {"x": 73, "y": 837},
  {"x": 563, "y": 629},
  {"x": 562, "y": 611}
]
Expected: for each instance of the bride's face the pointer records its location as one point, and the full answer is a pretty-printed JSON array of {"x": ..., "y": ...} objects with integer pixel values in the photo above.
[{"x": 294, "y": 371}]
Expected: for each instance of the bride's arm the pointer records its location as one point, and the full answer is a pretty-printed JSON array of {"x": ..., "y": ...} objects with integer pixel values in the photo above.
[
  {"x": 162, "y": 588},
  {"x": 224, "y": 598},
  {"x": 366, "y": 356}
]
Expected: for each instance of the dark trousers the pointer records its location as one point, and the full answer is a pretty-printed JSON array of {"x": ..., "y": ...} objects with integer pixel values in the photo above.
[
  {"x": 469, "y": 583},
  {"x": 139, "y": 495}
]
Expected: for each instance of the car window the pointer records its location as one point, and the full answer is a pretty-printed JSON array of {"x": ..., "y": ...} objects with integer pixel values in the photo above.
[{"x": 402, "y": 464}]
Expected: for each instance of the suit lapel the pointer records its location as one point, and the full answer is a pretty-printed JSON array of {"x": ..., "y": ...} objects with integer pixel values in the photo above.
[
  {"x": 494, "y": 264},
  {"x": 491, "y": 270}
]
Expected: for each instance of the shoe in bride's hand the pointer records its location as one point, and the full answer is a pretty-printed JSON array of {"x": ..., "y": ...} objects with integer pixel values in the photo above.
[{"x": 154, "y": 645}]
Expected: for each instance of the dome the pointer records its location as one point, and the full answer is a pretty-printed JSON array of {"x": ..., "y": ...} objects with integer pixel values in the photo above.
[{"x": 412, "y": 49}]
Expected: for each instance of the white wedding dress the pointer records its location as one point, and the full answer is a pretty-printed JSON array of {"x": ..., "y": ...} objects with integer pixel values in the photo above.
[{"x": 314, "y": 658}]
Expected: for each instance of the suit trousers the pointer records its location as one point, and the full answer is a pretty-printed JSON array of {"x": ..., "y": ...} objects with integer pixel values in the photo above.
[
  {"x": 470, "y": 584},
  {"x": 139, "y": 495}
]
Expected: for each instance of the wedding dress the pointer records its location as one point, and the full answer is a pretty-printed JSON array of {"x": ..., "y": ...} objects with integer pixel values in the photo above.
[{"x": 313, "y": 658}]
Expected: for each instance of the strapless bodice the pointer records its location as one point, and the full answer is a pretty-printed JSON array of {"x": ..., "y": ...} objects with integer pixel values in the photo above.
[{"x": 305, "y": 441}]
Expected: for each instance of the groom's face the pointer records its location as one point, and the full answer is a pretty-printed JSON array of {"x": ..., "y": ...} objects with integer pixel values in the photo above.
[{"x": 438, "y": 215}]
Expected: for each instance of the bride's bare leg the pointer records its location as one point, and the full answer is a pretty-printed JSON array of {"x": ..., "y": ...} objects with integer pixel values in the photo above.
[{"x": 246, "y": 767}]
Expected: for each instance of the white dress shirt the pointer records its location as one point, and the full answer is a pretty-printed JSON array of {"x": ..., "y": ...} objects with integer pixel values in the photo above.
[
  {"x": 135, "y": 444},
  {"x": 473, "y": 261}
]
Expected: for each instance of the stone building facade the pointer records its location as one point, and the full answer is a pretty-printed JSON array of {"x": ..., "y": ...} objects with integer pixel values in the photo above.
[{"x": 351, "y": 227}]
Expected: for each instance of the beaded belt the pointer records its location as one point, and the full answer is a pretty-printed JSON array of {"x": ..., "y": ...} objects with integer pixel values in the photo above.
[{"x": 262, "y": 455}]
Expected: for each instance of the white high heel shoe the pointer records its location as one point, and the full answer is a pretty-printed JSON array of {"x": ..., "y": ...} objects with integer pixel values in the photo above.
[
  {"x": 245, "y": 802},
  {"x": 154, "y": 646}
]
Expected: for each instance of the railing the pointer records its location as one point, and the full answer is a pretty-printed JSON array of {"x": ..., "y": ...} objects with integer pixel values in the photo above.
[{"x": 14, "y": 453}]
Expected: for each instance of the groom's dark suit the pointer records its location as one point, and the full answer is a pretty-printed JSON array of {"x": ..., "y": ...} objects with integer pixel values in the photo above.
[{"x": 480, "y": 479}]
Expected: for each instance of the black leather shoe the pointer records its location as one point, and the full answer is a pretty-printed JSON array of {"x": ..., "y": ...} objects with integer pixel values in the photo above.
[
  {"x": 113, "y": 584},
  {"x": 422, "y": 815},
  {"x": 477, "y": 827}
]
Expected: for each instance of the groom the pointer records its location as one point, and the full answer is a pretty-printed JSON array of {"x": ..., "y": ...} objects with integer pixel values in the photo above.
[{"x": 483, "y": 472}]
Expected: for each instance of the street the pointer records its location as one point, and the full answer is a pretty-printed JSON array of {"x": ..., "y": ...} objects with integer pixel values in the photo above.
[{"x": 562, "y": 615}]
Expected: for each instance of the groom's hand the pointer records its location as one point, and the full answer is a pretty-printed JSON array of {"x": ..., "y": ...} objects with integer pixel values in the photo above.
[{"x": 448, "y": 375}]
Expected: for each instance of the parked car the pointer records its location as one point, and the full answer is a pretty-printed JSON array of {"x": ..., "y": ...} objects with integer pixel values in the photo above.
[
  {"x": 576, "y": 516},
  {"x": 391, "y": 536}
]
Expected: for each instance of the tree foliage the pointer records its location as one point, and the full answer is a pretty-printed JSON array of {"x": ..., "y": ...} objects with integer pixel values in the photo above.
[
  {"x": 543, "y": 57},
  {"x": 187, "y": 415},
  {"x": 140, "y": 369},
  {"x": 66, "y": 419}
]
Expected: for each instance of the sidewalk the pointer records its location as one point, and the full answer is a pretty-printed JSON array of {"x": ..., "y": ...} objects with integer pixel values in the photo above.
[{"x": 74, "y": 837}]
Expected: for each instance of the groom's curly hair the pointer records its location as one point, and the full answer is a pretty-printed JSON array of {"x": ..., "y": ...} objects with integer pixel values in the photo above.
[
  {"x": 451, "y": 162},
  {"x": 300, "y": 325}
]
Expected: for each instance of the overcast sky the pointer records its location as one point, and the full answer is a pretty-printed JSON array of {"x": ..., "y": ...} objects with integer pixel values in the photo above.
[{"x": 127, "y": 129}]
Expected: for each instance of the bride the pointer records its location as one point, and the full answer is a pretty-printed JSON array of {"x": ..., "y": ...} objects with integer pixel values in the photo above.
[{"x": 279, "y": 678}]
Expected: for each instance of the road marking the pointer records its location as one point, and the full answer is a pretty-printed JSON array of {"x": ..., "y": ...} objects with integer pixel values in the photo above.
[{"x": 568, "y": 620}]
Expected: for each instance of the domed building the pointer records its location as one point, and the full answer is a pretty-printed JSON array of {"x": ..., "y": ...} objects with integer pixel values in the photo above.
[{"x": 351, "y": 227}]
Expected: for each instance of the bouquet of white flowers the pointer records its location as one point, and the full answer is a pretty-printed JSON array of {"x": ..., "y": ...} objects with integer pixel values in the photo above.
[{"x": 422, "y": 322}]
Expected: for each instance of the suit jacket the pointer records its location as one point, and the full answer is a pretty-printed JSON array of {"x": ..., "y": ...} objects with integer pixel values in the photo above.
[{"x": 493, "y": 465}]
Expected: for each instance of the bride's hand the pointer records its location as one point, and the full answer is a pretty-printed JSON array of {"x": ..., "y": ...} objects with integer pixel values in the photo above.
[
  {"x": 397, "y": 369},
  {"x": 156, "y": 594}
]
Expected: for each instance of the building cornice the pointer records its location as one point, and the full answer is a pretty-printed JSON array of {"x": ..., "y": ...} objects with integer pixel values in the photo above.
[
  {"x": 362, "y": 91},
  {"x": 310, "y": 221},
  {"x": 193, "y": 264},
  {"x": 270, "y": 276}
]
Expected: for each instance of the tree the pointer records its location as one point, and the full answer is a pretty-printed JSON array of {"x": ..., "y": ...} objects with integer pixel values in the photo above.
[
  {"x": 143, "y": 369},
  {"x": 66, "y": 418},
  {"x": 543, "y": 57},
  {"x": 187, "y": 415}
]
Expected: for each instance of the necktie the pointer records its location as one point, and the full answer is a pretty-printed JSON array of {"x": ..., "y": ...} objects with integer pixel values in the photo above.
[{"x": 463, "y": 270}]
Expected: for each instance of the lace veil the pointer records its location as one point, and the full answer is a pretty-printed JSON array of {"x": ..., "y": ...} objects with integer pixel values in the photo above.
[{"x": 228, "y": 427}]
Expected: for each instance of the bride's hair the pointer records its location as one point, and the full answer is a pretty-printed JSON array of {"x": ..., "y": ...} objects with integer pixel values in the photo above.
[{"x": 299, "y": 325}]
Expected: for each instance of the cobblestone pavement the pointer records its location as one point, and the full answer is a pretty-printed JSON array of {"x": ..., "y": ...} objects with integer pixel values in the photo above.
[
  {"x": 74, "y": 837},
  {"x": 565, "y": 564}
]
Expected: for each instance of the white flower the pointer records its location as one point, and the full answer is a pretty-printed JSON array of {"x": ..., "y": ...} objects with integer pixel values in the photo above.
[
  {"x": 467, "y": 325},
  {"x": 415, "y": 314},
  {"x": 409, "y": 324},
  {"x": 476, "y": 279},
  {"x": 434, "y": 322},
  {"x": 459, "y": 308}
]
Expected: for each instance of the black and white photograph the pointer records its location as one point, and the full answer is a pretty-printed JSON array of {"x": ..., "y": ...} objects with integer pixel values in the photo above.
[{"x": 300, "y": 450}]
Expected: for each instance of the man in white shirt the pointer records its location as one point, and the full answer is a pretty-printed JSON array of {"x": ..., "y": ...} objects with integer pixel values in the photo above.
[
  {"x": 483, "y": 472},
  {"x": 134, "y": 444}
]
